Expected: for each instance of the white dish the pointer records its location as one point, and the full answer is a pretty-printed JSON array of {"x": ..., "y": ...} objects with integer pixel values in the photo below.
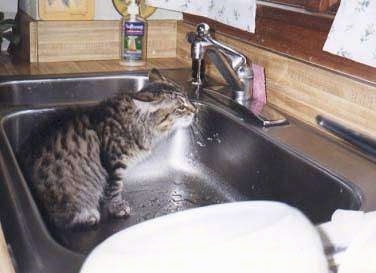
[{"x": 254, "y": 236}]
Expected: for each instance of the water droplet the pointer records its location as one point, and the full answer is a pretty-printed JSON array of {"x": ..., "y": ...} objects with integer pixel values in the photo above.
[
  {"x": 200, "y": 144},
  {"x": 177, "y": 197}
]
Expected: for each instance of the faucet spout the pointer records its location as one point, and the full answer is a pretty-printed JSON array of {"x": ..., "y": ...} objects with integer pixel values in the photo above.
[
  {"x": 225, "y": 68},
  {"x": 232, "y": 65}
]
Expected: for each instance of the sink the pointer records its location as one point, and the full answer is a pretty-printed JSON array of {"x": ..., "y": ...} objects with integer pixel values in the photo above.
[
  {"x": 58, "y": 89},
  {"x": 222, "y": 158}
]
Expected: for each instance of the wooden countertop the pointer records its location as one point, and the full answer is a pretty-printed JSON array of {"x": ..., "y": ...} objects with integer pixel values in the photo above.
[{"x": 10, "y": 67}]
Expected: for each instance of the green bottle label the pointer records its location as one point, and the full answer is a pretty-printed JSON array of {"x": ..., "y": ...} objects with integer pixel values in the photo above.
[{"x": 133, "y": 35}]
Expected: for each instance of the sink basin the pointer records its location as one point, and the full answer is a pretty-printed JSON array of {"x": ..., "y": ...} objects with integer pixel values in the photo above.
[
  {"x": 221, "y": 158},
  {"x": 57, "y": 89}
]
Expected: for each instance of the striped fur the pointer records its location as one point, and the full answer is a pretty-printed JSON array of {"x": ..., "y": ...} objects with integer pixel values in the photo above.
[{"x": 76, "y": 161}]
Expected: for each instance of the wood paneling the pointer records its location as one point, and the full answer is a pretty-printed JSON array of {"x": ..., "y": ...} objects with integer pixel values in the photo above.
[
  {"x": 32, "y": 42},
  {"x": 162, "y": 39},
  {"x": 298, "y": 18},
  {"x": 77, "y": 40},
  {"x": 304, "y": 90},
  {"x": 295, "y": 34}
]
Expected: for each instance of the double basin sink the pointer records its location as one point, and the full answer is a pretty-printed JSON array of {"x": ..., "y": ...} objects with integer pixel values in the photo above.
[{"x": 224, "y": 157}]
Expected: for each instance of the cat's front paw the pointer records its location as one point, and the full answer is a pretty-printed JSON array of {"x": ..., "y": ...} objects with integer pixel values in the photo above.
[
  {"x": 119, "y": 208},
  {"x": 86, "y": 218}
]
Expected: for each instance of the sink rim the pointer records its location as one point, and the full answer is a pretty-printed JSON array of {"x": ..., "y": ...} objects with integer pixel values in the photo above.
[{"x": 75, "y": 76}]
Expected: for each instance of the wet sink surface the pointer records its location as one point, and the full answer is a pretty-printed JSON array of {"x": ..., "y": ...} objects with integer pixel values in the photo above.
[
  {"x": 219, "y": 159},
  {"x": 215, "y": 161}
]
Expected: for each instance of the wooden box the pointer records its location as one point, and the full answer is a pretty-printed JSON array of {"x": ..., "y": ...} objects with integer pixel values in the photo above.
[{"x": 52, "y": 41}]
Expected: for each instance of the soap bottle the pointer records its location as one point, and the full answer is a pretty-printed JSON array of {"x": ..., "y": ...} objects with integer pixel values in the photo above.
[{"x": 133, "y": 37}]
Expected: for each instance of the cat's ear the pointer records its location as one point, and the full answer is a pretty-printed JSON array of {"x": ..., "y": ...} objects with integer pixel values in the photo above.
[
  {"x": 144, "y": 96},
  {"x": 143, "y": 100},
  {"x": 155, "y": 75}
]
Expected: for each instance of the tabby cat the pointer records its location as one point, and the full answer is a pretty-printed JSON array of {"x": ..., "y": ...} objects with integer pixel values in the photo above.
[{"x": 77, "y": 162}]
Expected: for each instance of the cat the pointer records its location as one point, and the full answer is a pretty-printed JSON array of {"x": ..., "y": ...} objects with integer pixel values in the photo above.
[{"x": 77, "y": 161}]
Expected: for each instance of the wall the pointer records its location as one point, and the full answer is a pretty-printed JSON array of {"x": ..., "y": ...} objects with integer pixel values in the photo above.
[{"x": 8, "y": 6}]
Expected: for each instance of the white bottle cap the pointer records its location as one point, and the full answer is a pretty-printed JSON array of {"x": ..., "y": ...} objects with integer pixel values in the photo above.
[{"x": 133, "y": 9}]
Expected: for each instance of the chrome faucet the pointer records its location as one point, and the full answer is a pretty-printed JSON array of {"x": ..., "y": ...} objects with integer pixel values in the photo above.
[
  {"x": 232, "y": 65},
  {"x": 234, "y": 68}
]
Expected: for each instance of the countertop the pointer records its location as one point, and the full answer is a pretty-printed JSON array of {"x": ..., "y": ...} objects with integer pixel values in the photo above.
[{"x": 10, "y": 67}]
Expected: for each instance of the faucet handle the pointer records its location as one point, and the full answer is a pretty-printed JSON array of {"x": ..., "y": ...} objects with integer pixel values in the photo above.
[
  {"x": 191, "y": 37},
  {"x": 203, "y": 30}
]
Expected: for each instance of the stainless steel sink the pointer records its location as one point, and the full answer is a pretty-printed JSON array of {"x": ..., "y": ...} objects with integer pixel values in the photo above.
[
  {"x": 66, "y": 89},
  {"x": 224, "y": 157}
]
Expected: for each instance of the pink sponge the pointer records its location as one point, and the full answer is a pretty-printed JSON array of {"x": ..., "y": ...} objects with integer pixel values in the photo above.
[{"x": 259, "y": 90}]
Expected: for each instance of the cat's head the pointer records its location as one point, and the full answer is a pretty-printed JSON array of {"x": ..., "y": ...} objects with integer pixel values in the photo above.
[{"x": 165, "y": 103}]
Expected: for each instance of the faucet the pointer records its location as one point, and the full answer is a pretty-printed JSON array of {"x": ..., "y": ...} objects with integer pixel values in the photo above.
[
  {"x": 232, "y": 65},
  {"x": 234, "y": 68}
]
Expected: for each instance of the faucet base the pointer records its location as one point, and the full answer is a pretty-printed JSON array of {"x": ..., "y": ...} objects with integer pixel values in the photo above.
[
  {"x": 263, "y": 114},
  {"x": 270, "y": 117},
  {"x": 266, "y": 115}
]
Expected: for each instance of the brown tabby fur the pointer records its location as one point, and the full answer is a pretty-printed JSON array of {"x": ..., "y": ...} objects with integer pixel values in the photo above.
[{"x": 77, "y": 161}]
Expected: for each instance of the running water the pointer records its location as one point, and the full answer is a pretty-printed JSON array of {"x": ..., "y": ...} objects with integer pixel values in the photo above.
[{"x": 199, "y": 136}]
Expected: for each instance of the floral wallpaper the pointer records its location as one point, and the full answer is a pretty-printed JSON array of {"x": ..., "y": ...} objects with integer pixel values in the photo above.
[
  {"x": 353, "y": 33},
  {"x": 237, "y": 13}
]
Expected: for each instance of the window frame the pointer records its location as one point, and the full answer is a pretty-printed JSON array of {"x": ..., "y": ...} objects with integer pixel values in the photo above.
[{"x": 311, "y": 5}]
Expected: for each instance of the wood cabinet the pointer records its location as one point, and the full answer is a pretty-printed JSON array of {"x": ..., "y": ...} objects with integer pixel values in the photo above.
[{"x": 312, "y": 5}]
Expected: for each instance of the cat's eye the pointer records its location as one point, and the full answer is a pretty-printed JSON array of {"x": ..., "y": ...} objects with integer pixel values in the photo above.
[{"x": 181, "y": 107}]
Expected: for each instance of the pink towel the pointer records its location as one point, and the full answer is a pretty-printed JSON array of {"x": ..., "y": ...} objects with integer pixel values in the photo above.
[{"x": 259, "y": 91}]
